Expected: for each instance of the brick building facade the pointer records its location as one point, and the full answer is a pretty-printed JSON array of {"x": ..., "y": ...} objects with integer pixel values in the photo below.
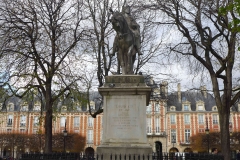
[{"x": 171, "y": 120}]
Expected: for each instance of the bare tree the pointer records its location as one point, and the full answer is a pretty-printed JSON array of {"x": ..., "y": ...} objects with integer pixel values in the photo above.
[
  {"x": 39, "y": 46},
  {"x": 204, "y": 37},
  {"x": 101, "y": 37},
  {"x": 99, "y": 43}
]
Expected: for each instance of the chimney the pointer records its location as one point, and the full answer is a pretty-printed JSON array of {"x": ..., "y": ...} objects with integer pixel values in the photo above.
[
  {"x": 179, "y": 93},
  {"x": 203, "y": 91},
  {"x": 164, "y": 89}
]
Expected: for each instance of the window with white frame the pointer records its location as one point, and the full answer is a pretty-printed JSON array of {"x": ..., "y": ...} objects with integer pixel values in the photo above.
[
  {"x": 90, "y": 136},
  {"x": 37, "y": 108},
  {"x": 187, "y": 135},
  {"x": 90, "y": 121},
  {"x": 157, "y": 108},
  {"x": 22, "y": 121},
  {"x": 157, "y": 125},
  {"x": 76, "y": 121},
  {"x": 24, "y": 107},
  {"x": 62, "y": 121},
  {"x": 149, "y": 125},
  {"x": 149, "y": 108},
  {"x": 173, "y": 136},
  {"x": 10, "y": 107},
  {"x": 186, "y": 118},
  {"x": 186, "y": 107},
  {"x": 173, "y": 118},
  {"x": 200, "y": 119},
  {"x": 200, "y": 107},
  {"x": 36, "y": 121},
  {"x": 215, "y": 118},
  {"x": 10, "y": 120},
  {"x": 92, "y": 105},
  {"x": 78, "y": 108}
]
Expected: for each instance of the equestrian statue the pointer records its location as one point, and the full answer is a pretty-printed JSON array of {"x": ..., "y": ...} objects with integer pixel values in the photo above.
[{"x": 127, "y": 42}]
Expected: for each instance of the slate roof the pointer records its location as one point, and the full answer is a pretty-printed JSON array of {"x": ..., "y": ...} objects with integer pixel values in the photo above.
[{"x": 192, "y": 97}]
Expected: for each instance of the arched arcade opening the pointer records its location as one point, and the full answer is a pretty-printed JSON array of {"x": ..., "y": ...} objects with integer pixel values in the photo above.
[
  {"x": 173, "y": 150},
  {"x": 89, "y": 151},
  {"x": 158, "y": 147}
]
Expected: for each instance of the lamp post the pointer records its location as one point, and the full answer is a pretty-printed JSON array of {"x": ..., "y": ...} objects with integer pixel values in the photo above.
[
  {"x": 207, "y": 133},
  {"x": 231, "y": 140},
  {"x": 65, "y": 135}
]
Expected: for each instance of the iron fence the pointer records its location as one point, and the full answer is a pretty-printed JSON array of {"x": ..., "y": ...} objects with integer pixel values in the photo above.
[{"x": 154, "y": 156}]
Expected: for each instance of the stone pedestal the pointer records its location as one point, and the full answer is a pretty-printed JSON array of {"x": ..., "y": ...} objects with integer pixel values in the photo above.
[{"x": 124, "y": 119}]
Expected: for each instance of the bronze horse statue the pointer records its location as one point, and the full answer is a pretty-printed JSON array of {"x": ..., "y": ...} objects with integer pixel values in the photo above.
[{"x": 124, "y": 42}]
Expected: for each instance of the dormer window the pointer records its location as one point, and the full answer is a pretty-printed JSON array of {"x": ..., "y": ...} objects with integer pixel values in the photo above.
[
  {"x": 214, "y": 108},
  {"x": 37, "y": 108},
  {"x": 24, "y": 107},
  {"x": 77, "y": 107},
  {"x": 186, "y": 108},
  {"x": 64, "y": 108},
  {"x": 92, "y": 105},
  {"x": 10, "y": 107},
  {"x": 200, "y": 106},
  {"x": 157, "y": 108},
  {"x": 172, "y": 108}
]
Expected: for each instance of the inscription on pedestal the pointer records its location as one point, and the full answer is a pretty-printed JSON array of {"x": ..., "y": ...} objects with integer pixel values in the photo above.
[{"x": 123, "y": 122}]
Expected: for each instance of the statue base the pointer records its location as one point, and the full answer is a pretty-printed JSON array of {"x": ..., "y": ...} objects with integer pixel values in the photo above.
[{"x": 124, "y": 120}]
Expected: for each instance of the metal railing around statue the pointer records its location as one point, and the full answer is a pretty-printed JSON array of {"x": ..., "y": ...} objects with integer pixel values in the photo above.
[{"x": 154, "y": 156}]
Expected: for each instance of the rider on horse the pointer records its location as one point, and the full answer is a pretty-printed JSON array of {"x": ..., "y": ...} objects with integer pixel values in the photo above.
[
  {"x": 134, "y": 27},
  {"x": 127, "y": 41}
]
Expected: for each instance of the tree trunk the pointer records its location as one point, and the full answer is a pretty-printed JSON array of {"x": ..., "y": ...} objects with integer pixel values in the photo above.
[
  {"x": 48, "y": 121},
  {"x": 223, "y": 103},
  {"x": 225, "y": 136}
]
